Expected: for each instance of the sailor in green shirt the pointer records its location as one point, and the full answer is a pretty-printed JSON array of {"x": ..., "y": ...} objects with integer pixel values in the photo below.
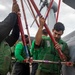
[
  {"x": 48, "y": 50},
  {"x": 20, "y": 67},
  {"x": 34, "y": 52}
]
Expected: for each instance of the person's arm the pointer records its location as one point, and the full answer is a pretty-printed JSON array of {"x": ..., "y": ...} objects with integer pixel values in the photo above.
[
  {"x": 9, "y": 22},
  {"x": 67, "y": 54},
  {"x": 38, "y": 36},
  {"x": 7, "y": 25},
  {"x": 18, "y": 51},
  {"x": 13, "y": 37}
]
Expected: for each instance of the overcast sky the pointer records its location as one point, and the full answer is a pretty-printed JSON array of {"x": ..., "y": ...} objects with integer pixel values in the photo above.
[{"x": 66, "y": 16}]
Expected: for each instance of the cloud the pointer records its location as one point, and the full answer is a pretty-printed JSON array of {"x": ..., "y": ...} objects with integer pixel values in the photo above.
[{"x": 2, "y": 7}]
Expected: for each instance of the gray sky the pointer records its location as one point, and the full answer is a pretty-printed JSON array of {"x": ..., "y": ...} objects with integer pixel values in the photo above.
[{"x": 66, "y": 16}]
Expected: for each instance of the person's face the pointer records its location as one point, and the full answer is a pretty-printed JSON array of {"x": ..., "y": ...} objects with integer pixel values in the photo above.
[{"x": 57, "y": 34}]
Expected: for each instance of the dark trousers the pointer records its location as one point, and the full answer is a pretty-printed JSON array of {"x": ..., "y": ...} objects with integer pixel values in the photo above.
[
  {"x": 34, "y": 68},
  {"x": 21, "y": 69},
  {"x": 40, "y": 72}
]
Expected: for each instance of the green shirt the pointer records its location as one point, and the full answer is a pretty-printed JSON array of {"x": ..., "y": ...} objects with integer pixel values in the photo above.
[
  {"x": 5, "y": 58},
  {"x": 48, "y": 52},
  {"x": 20, "y": 53},
  {"x": 34, "y": 51}
]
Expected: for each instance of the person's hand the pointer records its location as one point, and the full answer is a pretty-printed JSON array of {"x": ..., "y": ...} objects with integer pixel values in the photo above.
[
  {"x": 26, "y": 60},
  {"x": 69, "y": 63},
  {"x": 31, "y": 60},
  {"x": 57, "y": 46},
  {"x": 41, "y": 21},
  {"x": 15, "y": 7}
]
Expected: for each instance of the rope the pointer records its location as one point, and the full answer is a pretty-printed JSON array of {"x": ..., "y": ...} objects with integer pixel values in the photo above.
[
  {"x": 50, "y": 5},
  {"x": 28, "y": 8},
  {"x": 33, "y": 13},
  {"x": 58, "y": 10},
  {"x": 25, "y": 22},
  {"x": 42, "y": 6}
]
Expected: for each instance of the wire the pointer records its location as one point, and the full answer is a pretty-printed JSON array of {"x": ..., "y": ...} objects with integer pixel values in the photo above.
[{"x": 28, "y": 8}]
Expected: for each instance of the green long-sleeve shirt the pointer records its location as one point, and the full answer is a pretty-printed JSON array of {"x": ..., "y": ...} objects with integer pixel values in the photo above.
[
  {"x": 20, "y": 53},
  {"x": 34, "y": 51}
]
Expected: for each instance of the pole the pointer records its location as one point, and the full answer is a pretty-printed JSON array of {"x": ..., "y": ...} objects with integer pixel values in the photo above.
[
  {"x": 22, "y": 32},
  {"x": 61, "y": 55},
  {"x": 25, "y": 22}
]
